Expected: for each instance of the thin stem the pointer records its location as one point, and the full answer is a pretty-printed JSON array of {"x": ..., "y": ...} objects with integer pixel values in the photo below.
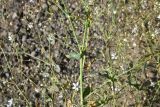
[
  {"x": 81, "y": 81},
  {"x": 82, "y": 61},
  {"x": 71, "y": 24}
]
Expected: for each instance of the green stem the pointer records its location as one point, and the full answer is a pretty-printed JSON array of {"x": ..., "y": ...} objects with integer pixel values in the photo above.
[
  {"x": 71, "y": 24},
  {"x": 81, "y": 81},
  {"x": 82, "y": 60}
]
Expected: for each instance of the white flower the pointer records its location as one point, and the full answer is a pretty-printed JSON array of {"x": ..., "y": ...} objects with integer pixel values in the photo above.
[
  {"x": 51, "y": 39},
  {"x": 10, "y": 36},
  {"x": 113, "y": 55},
  {"x": 90, "y": 2},
  {"x": 135, "y": 29},
  {"x": 30, "y": 25},
  {"x": 115, "y": 89},
  {"x": 37, "y": 90},
  {"x": 45, "y": 74},
  {"x": 31, "y": 1},
  {"x": 157, "y": 31},
  {"x": 153, "y": 35},
  {"x": 134, "y": 44},
  {"x": 122, "y": 67},
  {"x": 152, "y": 84},
  {"x": 10, "y": 102},
  {"x": 75, "y": 86},
  {"x": 39, "y": 24},
  {"x": 125, "y": 40},
  {"x": 114, "y": 12}
]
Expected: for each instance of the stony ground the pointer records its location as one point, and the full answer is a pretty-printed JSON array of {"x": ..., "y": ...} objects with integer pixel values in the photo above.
[{"x": 122, "y": 66}]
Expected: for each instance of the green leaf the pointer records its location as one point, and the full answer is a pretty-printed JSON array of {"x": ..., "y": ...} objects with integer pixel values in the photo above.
[{"x": 74, "y": 55}]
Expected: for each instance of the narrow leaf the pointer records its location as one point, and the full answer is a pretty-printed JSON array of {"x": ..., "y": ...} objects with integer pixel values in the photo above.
[{"x": 74, "y": 55}]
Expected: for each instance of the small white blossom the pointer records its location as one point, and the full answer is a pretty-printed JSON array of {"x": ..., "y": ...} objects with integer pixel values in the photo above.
[
  {"x": 152, "y": 84},
  {"x": 60, "y": 95},
  {"x": 51, "y": 39},
  {"x": 125, "y": 40},
  {"x": 115, "y": 89},
  {"x": 10, "y": 36},
  {"x": 39, "y": 24},
  {"x": 144, "y": 4},
  {"x": 157, "y": 31},
  {"x": 14, "y": 15},
  {"x": 114, "y": 12},
  {"x": 130, "y": 8},
  {"x": 10, "y": 102},
  {"x": 113, "y": 55},
  {"x": 75, "y": 86},
  {"x": 134, "y": 44},
  {"x": 57, "y": 67},
  {"x": 31, "y": 1},
  {"x": 90, "y": 2},
  {"x": 37, "y": 90},
  {"x": 153, "y": 35},
  {"x": 45, "y": 74},
  {"x": 135, "y": 29},
  {"x": 96, "y": 11},
  {"x": 30, "y": 25},
  {"x": 122, "y": 67}
]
